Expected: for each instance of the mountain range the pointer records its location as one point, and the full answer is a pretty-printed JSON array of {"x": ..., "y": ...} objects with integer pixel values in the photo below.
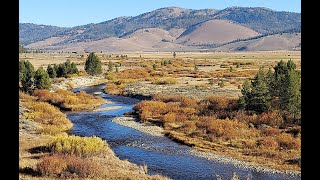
[{"x": 174, "y": 29}]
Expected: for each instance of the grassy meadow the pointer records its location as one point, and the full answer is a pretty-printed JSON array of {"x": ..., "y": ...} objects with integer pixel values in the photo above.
[{"x": 193, "y": 97}]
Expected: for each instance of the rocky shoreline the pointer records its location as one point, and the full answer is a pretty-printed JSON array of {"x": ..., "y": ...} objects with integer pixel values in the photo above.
[
  {"x": 132, "y": 123},
  {"x": 76, "y": 82},
  {"x": 158, "y": 131}
]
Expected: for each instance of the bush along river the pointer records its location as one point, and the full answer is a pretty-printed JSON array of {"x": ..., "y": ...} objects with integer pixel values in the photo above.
[{"x": 160, "y": 154}]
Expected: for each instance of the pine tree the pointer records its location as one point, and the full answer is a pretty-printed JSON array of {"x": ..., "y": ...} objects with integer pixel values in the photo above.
[
  {"x": 42, "y": 79},
  {"x": 292, "y": 96},
  {"x": 62, "y": 70},
  {"x": 93, "y": 65},
  {"x": 260, "y": 98},
  {"x": 74, "y": 69},
  {"x": 246, "y": 92},
  {"x": 51, "y": 71},
  {"x": 27, "y": 77},
  {"x": 278, "y": 88},
  {"x": 22, "y": 71},
  {"x": 67, "y": 64},
  {"x": 56, "y": 68}
]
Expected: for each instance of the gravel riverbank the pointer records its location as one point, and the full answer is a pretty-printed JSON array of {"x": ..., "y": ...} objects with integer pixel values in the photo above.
[
  {"x": 132, "y": 123},
  {"x": 76, "y": 82}
]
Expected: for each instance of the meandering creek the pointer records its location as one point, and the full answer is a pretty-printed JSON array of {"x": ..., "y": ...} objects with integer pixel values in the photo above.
[{"x": 160, "y": 154}]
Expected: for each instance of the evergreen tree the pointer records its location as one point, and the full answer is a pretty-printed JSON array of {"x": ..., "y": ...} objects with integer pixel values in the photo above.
[
  {"x": 51, "y": 71},
  {"x": 22, "y": 71},
  {"x": 74, "y": 69},
  {"x": 93, "y": 65},
  {"x": 278, "y": 88},
  {"x": 292, "y": 96},
  {"x": 62, "y": 70},
  {"x": 260, "y": 98},
  {"x": 56, "y": 68},
  {"x": 246, "y": 92},
  {"x": 291, "y": 65},
  {"x": 27, "y": 77},
  {"x": 67, "y": 65},
  {"x": 42, "y": 79}
]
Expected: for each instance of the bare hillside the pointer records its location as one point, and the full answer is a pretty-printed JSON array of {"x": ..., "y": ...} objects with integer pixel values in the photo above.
[{"x": 215, "y": 32}]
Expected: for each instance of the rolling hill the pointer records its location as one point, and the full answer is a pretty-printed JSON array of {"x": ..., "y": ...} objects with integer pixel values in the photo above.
[{"x": 168, "y": 29}]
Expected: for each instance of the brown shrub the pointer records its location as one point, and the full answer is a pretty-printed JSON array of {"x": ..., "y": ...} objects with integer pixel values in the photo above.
[
  {"x": 114, "y": 89},
  {"x": 273, "y": 118},
  {"x": 271, "y": 131},
  {"x": 23, "y": 97},
  {"x": 69, "y": 100},
  {"x": 145, "y": 115},
  {"x": 68, "y": 166},
  {"x": 182, "y": 117},
  {"x": 225, "y": 129},
  {"x": 156, "y": 108},
  {"x": 286, "y": 141},
  {"x": 184, "y": 101},
  {"x": 52, "y": 165},
  {"x": 132, "y": 74},
  {"x": 84, "y": 168},
  {"x": 189, "y": 127},
  {"x": 169, "y": 117},
  {"x": 215, "y": 103},
  {"x": 244, "y": 117},
  {"x": 250, "y": 143},
  {"x": 268, "y": 142}
]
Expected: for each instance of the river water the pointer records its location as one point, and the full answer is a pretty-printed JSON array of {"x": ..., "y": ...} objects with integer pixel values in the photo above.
[{"x": 160, "y": 154}]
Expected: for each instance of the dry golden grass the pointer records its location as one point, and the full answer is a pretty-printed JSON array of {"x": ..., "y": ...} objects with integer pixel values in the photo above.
[
  {"x": 114, "y": 89},
  {"x": 164, "y": 81},
  {"x": 80, "y": 146},
  {"x": 68, "y": 100},
  {"x": 52, "y": 120}
]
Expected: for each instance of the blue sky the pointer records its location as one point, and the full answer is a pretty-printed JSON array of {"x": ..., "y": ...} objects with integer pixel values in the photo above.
[{"x": 69, "y": 13}]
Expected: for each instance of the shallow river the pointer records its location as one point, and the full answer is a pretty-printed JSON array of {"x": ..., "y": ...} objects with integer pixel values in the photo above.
[{"x": 161, "y": 155}]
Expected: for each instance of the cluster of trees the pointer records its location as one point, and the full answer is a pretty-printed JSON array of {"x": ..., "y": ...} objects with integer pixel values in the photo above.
[
  {"x": 93, "y": 65},
  {"x": 277, "y": 90},
  {"x": 62, "y": 70},
  {"x": 30, "y": 79}
]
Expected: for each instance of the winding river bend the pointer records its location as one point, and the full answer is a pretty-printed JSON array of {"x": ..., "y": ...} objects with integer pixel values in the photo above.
[{"x": 160, "y": 154}]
